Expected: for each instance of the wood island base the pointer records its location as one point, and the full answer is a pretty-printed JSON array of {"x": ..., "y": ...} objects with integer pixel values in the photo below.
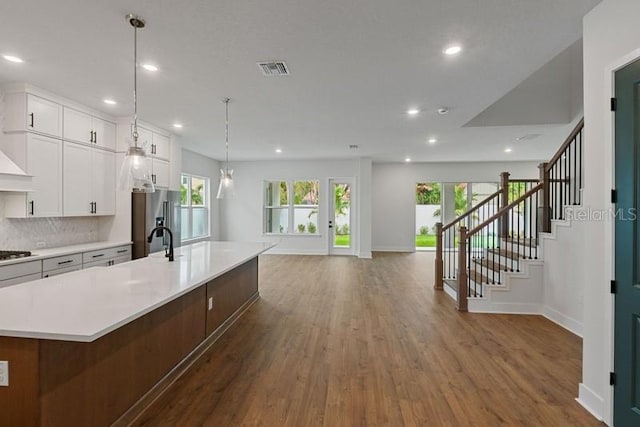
[{"x": 110, "y": 380}]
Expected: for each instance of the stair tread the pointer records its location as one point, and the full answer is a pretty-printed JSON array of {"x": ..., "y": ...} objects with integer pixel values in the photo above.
[
  {"x": 507, "y": 253},
  {"x": 492, "y": 264}
]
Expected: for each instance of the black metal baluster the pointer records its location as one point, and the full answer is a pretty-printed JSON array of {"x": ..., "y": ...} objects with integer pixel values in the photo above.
[
  {"x": 518, "y": 218},
  {"x": 580, "y": 164}
]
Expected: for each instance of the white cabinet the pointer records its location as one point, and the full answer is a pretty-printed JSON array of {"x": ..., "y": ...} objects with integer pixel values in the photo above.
[
  {"x": 27, "y": 112},
  {"x": 160, "y": 146},
  {"x": 20, "y": 273},
  {"x": 106, "y": 257},
  {"x": 88, "y": 181},
  {"x": 61, "y": 265},
  {"x": 40, "y": 156},
  {"x": 86, "y": 129},
  {"x": 155, "y": 144},
  {"x": 160, "y": 173}
]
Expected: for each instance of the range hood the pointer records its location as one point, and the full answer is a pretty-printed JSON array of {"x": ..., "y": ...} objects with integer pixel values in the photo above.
[{"x": 12, "y": 178}]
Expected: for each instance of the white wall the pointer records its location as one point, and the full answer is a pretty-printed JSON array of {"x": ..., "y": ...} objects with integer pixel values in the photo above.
[
  {"x": 393, "y": 199},
  {"x": 242, "y": 216},
  {"x": 563, "y": 287},
  {"x": 206, "y": 167},
  {"x": 611, "y": 40}
]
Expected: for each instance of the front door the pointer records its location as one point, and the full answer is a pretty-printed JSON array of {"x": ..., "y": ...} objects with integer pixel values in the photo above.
[
  {"x": 341, "y": 218},
  {"x": 627, "y": 251}
]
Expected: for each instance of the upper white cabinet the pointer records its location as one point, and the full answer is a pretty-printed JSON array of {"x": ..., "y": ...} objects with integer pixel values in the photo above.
[
  {"x": 27, "y": 112},
  {"x": 40, "y": 156},
  {"x": 160, "y": 173},
  {"x": 155, "y": 144},
  {"x": 89, "y": 181},
  {"x": 160, "y": 147},
  {"x": 87, "y": 129}
]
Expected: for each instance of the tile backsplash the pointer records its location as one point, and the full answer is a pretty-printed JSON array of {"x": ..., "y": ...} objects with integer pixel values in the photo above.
[{"x": 25, "y": 234}]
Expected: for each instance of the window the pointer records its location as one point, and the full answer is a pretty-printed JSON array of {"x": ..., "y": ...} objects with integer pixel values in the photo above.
[
  {"x": 291, "y": 207},
  {"x": 194, "y": 198}
]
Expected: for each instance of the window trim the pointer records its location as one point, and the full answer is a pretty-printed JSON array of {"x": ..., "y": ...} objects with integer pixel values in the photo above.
[
  {"x": 206, "y": 206},
  {"x": 291, "y": 208}
]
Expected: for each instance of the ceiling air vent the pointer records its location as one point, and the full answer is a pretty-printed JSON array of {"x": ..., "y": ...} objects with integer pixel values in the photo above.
[
  {"x": 528, "y": 137},
  {"x": 273, "y": 68}
]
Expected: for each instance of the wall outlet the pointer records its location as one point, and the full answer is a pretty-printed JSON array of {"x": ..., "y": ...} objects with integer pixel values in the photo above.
[
  {"x": 210, "y": 303},
  {"x": 4, "y": 373},
  {"x": 41, "y": 245}
]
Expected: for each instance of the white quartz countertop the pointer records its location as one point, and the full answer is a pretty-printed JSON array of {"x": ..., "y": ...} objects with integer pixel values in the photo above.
[
  {"x": 38, "y": 254},
  {"x": 87, "y": 304}
]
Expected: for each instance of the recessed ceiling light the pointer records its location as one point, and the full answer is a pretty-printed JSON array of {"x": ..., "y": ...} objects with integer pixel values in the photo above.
[
  {"x": 110, "y": 101},
  {"x": 177, "y": 125},
  {"x": 432, "y": 140},
  {"x": 278, "y": 150},
  {"x": 413, "y": 111},
  {"x": 149, "y": 67},
  {"x": 508, "y": 150},
  {"x": 12, "y": 58},
  {"x": 408, "y": 159},
  {"x": 452, "y": 50}
]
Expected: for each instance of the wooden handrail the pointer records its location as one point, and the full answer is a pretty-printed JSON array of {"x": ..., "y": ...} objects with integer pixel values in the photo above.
[
  {"x": 524, "y": 180},
  {"x": 566, "y": 143},
  {"x": 472, "y": 210},
  {"x": 504, "y": 210}
]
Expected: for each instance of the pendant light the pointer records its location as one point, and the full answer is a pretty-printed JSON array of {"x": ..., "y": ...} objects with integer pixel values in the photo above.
[
  {"x": 135, "y": 173},
  {"x": 225, "y": 189}
]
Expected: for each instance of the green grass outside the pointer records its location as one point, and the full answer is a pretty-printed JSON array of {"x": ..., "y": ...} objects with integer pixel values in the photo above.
[
  {"x": 425, "y": 241},
  {"x": 342, "y": 240}
]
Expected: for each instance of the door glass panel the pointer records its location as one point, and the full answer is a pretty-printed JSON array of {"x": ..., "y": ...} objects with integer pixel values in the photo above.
[
  {"x": 428, "y": 213},
  {"x": 342, "y": 206}
]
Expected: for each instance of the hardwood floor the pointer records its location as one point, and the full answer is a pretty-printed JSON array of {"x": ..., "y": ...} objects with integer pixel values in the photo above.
[{"x": 342, "y": 341}]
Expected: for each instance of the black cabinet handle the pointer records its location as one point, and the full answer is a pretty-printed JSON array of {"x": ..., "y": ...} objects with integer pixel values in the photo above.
[
  {"x": 32, "y": 119},
  {"x": 97, "y": 256},
  {"x": 32, "y": 206},
  {"x": 95, "y": 207},
  {"x": 153, "y": 178},
  {"x": 95, "y": 137},
  {"x": 123, "y": 251},
  {"x": 65, "y": 262},
  {"x": 90, "y": 136}
]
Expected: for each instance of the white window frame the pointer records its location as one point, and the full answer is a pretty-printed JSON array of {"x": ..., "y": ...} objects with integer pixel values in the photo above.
[
  {"x": 291, "y": 208},
  {"x": 190, "y": 208}
]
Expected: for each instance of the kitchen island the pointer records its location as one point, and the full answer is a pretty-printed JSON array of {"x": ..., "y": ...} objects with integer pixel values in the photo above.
[{"x": 83, "y": 348}]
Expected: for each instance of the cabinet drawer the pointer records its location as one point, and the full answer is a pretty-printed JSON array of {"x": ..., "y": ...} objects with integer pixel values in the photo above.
[
  {"x": 59, "y": 271},
  {"x": 61, "y": 262},
  {"x": 101, "y": 254},
  {"x": 21, "y": 279},
  {"x": 20, "y": 269}
]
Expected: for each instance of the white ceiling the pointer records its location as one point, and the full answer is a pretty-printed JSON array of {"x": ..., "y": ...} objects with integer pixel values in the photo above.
[{"x": 356, "y": 67}]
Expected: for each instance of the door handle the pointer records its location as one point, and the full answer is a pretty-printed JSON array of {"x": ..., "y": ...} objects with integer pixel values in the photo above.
[{"x": 330, "y": 224}]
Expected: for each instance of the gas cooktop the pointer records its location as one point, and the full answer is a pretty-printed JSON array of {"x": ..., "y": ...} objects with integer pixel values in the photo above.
[{"x": 4, "y": 255}]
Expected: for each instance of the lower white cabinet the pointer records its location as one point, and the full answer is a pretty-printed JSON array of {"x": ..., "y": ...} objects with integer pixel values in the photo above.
[
  {"x": 89, "y": 181},
  {"x": 40, "y": 156},
  {"x": 20, "y": 273},
  {"x": 106, "y": 257}
]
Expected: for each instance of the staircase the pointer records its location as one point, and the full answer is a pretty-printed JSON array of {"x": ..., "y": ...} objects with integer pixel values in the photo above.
[{"x": 490, "y": 258}]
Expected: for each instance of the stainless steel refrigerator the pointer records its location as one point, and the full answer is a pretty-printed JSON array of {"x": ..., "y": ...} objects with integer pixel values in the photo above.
[{"x": 149, "y": 210}]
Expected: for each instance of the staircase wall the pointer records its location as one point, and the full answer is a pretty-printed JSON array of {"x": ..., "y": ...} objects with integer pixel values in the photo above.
[{"x": 563, "y": 282}]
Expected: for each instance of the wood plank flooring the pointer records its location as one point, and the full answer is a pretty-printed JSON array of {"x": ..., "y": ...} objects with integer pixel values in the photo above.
[{"x": 340, "y": 341}]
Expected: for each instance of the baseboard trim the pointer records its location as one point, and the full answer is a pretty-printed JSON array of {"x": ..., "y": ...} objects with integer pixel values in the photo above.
[
  {"x": 183, "y": 366},
  {"x": 392, "y": 249},
  {"x": 277, "y": 251},
  {"x": 590, "y": 401},
  {"x": 568, "y": 323},
  {"x": 365, "y": 255},
  {"x": 450, "y": 291},
  {"x": 504, "y": 308}
]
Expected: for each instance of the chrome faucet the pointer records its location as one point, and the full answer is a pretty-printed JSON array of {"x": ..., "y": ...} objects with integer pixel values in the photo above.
[{"x": 150, "y": 238}]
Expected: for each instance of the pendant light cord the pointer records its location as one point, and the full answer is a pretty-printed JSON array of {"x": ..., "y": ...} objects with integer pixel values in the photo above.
[
  {"x": 226, "y": 123},
  {"x": 135, "y": 85}
]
